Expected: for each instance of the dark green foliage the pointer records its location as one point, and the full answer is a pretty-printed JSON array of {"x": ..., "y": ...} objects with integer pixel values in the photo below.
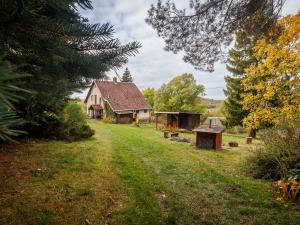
[
  {"x": 10, "y": 93},
  {"x": 61, "y": 50},
  {"x": 279, "y": 157},
  {"x": 73, "y": 124},
  {"x": 8, "y": 123},
  {"x": 127, "y": 76},
  {"x": 240, "y": 58},
  {"x": 69, "y": 124}
]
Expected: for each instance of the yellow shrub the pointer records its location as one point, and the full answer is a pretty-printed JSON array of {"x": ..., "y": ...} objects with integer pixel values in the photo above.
[{"x": 288, "y": 190}]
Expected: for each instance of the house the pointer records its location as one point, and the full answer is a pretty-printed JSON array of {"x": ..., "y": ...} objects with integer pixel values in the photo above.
[
  {"x": 178, "y": 120},
  {"x": 121, "y": 101}
]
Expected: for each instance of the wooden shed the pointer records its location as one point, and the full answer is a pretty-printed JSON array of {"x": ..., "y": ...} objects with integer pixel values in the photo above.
[
  {"x": 209, "y": 136},
  {"x": 179, "y": 120},
  {"x": 124, "y": 117}
]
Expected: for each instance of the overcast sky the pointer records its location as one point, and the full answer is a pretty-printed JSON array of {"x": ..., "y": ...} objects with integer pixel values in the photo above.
[{"x": 153, "y": 66}]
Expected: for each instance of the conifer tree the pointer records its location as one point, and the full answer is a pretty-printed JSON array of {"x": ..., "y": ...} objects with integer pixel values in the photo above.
[
  {"x": 240, "y": 58},
  {"x": 61, "y": 51},
  {"x": 9, "y": 93},
  {"x": 126, "y": 77}
]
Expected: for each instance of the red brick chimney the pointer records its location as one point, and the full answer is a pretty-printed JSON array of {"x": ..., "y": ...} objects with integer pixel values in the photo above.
[{"x": 115, "y": 79}]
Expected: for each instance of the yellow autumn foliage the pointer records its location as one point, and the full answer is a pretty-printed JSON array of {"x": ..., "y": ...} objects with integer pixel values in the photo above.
[{"x": 273, "y": 86}]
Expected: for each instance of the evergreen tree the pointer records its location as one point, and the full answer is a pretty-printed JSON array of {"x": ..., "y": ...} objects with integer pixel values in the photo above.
[
  {"x": 240, "y": 58},
  {"x": 9, "y": 93},
  {"x": 127, "y": 76},
  {"x": 61, "y": 50}
]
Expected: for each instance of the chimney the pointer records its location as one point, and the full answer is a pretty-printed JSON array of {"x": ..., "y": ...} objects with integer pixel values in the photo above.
[
  {"x": 115, "y": 79},
  {"x": 210, "y": 123}
]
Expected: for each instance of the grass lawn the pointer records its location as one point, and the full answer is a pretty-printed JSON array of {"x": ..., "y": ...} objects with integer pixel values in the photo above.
[{"x": 129, "y": 175}]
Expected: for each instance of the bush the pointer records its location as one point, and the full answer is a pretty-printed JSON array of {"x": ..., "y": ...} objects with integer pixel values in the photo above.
[
  {"x": 72, "y": 123},
  {"x": 109, "y": 119},
  {"x": 289, "y": 189},
  {"x": 279, "y": 156},
  {"x": 236, "y": 130}
]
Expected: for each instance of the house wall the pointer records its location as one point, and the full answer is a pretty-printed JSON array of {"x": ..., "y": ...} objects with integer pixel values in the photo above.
[
  {"x": 144, "y": 115},
  {"x": 95, "y": 92}
]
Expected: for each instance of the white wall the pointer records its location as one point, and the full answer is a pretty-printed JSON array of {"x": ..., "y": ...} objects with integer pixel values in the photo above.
[
  {"x": 95, "y": 91},
  {"x": 144, "y": 115}
]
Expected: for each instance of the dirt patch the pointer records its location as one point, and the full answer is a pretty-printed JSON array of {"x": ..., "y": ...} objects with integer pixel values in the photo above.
[
  {"x": 13, "y": 167},
  {"x": 231, "y": 188},
  {"x": 161, "y": 196}
]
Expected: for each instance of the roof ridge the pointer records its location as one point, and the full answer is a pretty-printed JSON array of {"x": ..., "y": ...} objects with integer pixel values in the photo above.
[{"x": 111, "y": 81}]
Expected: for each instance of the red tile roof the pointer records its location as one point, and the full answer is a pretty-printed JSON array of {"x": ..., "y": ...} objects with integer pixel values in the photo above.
[{"x": 122, "y": 95}]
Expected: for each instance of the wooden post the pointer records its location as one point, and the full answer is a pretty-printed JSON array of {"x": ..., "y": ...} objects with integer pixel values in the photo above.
[
  {"x": 177, "y": 121},
  {"x": 166, "y": 134},
  {"x": 249, "y": 140},
  {"x": 156, "y": 121},
  {"x": 197, "y": 139}
]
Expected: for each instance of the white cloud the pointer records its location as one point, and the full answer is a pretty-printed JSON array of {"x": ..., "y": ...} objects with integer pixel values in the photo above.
[{"x": 154, "y": 66}]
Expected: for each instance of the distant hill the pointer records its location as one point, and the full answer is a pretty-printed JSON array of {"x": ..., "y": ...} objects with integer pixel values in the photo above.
[{"x": 213, "y": 106}]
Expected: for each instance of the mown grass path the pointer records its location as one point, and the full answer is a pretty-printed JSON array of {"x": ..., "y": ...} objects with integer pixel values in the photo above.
[
  {"x": 129, "y": 175},
  {"x": 200, "y": 187}
]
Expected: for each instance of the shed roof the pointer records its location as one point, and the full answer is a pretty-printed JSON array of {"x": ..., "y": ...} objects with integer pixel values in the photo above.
[
  {"x": 176, "y": 113},
  {"x": 207, "y": 129},
  {"x": 124, "y": 112}
]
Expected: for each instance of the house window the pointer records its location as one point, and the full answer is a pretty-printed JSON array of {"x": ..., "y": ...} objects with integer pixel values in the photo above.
[
  {"x": 95, "y": 99},
  {"x": 100, "y": 100},
  {"x": 92, "y": 97},
  {"x": 137, "y": 111},
  {"x": 145, "y": 111}
]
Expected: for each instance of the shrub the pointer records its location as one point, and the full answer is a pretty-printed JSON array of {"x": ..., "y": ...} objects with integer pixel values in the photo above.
[
  {"x": 236, "y": 130},
  {"x": 279, "y": 155},
  {"x": 109, "y": 119},
  {"x": 72, "y": 123},
  {"x": 289, "y": 189}
]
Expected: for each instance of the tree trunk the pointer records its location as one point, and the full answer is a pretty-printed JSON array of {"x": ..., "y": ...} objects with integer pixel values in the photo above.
[{"x": 252, "y": 133}]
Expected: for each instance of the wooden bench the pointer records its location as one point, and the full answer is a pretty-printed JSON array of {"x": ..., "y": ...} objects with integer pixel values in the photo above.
[{"x": 174, "y": 134}]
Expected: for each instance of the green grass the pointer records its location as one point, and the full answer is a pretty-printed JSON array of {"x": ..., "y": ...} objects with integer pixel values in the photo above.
[{"x": 129, "y": 175}]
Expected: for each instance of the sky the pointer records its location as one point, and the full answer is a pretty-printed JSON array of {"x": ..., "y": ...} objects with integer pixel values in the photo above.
[{"x": 153, "y": 66}]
